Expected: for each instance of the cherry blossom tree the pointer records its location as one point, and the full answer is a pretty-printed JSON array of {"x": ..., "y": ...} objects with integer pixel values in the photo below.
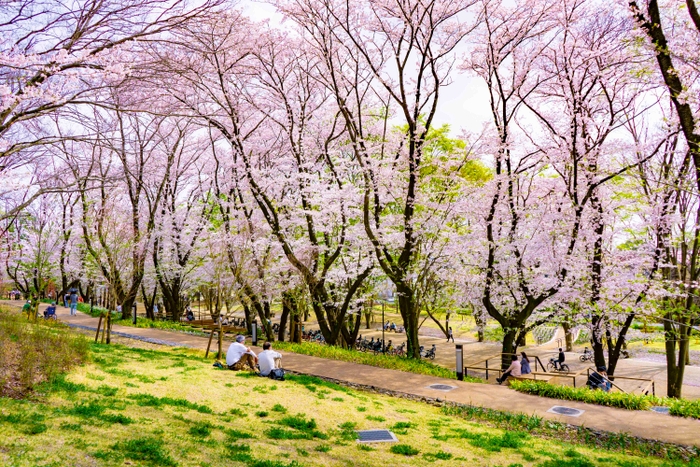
[{"x": 382, "y": 61}]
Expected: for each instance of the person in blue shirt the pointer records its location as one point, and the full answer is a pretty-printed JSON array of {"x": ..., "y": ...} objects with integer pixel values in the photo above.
[
  {"x": 50, "y": 311},
  {"x": 525, "y": 364},
  {"x": 73, "y": 303}
]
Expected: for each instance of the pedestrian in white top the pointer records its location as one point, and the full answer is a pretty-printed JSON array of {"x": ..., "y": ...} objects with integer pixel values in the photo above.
[
  {"x": 513, "y": 370},
  {"x": 239, "y": 356},
  {"x": 268, "y": 359}
]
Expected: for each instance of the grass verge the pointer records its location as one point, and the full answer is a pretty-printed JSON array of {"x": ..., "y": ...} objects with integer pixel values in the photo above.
[
  {"x": 420, "y": 367},
  {"x": 678, "y": 407},
  {"x": 612, "y": 399}
]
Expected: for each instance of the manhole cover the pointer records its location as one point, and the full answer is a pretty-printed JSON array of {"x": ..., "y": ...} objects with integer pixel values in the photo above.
[
  {"x": 442, "y": 387},
  {"x": 663, "y": 410},
  {"x": 557, "y": 409},
  {"x": 376, "y": 436}
]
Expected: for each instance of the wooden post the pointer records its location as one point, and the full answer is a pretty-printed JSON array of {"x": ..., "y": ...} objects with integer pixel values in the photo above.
[
  {"x": 209, "y": 344},
  {"x": 99, "y": 323},
  {"x": 221, "y": 342},
  {"x": 109, "y": 326},
  {"x": 104, "y": 329}
]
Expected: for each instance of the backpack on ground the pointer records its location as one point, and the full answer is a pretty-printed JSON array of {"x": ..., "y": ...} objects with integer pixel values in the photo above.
[{"x": 277, "y": 374}]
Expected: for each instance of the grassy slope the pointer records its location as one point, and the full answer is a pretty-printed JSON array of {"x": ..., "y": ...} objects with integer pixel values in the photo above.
[{"x": 169, "y": 407}]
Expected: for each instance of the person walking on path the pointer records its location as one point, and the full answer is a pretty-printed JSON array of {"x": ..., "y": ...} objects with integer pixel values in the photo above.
[
  {"x": 513, "y": 370},
  {"x": 450, "y": 335},
  {"x": 525, "y": 364},
  {"x": 239, "y": 356},
  {"x": 73, "y": 303}
]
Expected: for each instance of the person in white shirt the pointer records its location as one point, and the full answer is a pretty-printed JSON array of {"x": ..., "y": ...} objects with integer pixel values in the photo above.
[
  {"x": 268, "y": 359},
  {"x": 513, "y": 370},
  {"x": 239, "y": 356}
]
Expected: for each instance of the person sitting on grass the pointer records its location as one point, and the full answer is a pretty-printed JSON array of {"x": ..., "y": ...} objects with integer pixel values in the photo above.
[
  {"x": 268, "y": 359},
  {"x": 513, "y": 370},
  {"x": 239, "y": 356},
  {"x": 27, "y": 306}
]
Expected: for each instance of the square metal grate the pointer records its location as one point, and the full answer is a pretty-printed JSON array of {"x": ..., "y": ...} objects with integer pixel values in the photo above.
[
  {"x": 442, "y": 387},
  {"x": 559, "y": 410},
  {"x": 376, "y": 436}
]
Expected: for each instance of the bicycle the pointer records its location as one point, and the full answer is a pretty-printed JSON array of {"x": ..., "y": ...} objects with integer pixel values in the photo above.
[
  {"x": 587, "y": 355},
  {"x": 561, "y": 368}
]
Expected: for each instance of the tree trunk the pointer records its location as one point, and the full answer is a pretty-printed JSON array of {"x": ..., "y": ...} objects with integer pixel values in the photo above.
[
  {"x": 286, "y": 309},
  {"x": 409, "y": 313},
  {"x": 568, "y": 336},
  {"x": 509, "y": 347},
  {"x": 248, "y": 317}
]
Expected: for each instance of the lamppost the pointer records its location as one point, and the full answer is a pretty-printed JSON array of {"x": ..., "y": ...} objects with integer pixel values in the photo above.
[{"x": 383, "y": 327}]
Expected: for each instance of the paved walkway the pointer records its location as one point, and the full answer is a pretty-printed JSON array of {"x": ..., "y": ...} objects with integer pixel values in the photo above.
[{"x": 643, "y": 424}]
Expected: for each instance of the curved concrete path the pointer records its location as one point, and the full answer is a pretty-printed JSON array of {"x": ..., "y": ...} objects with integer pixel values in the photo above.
[{"x": 643, "y": 424}]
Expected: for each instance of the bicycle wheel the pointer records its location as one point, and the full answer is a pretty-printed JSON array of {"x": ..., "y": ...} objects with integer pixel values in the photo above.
[
  {"x": 564, "y": 369},
  {"x": 550, "y": 367},
  {"x": 582, "y": 358}
]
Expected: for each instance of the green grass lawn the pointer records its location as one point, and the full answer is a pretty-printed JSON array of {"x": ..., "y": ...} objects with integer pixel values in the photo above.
[{"x": 169, "y": 407}]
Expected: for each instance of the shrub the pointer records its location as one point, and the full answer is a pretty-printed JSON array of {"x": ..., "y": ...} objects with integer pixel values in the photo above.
[
  {"x": 35, "y": 352},
  {"x": 612, "y": 399},
  {"x": 684, "y": 408},
  {"x": 404, "y": 450}
]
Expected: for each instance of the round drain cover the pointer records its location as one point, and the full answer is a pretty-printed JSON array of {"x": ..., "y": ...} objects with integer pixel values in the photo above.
[
  {"x": 441, "y": 387},
  {"x": 565, "y": 411}
]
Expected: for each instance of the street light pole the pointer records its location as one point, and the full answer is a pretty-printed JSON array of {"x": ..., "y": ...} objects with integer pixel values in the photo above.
[{"x": 383, "y": 348}]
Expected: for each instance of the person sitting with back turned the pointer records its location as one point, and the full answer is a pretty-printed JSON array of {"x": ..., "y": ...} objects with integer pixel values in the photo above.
[
  {"x": 238, "y": 356},
  {"x": 513, "y": 370},
  {"x": 268, "y": 359}
]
